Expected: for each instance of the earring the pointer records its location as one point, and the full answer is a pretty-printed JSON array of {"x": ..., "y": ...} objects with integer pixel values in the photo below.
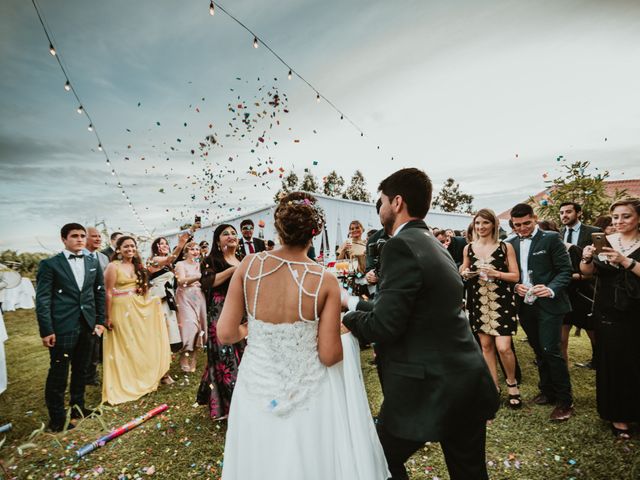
[{"x": 119, "y": 257}]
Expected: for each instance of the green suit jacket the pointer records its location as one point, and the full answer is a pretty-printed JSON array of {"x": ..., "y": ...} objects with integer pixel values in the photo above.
[
  {"x": 434, "y": 378},
  {"x": 550, "y": 265},
  {"x": 60, "y": 304}
]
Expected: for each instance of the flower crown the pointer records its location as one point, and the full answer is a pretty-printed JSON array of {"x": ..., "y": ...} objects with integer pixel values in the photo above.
[{"x": 318, "y": 212}]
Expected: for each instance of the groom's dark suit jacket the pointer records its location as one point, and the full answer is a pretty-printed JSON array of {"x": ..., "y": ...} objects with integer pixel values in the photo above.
[
  {"x": 60, "y": 304},
  {"x": 434, "y": 378}
]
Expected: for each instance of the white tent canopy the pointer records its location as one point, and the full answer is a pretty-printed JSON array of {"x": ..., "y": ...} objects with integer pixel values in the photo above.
[{"x": 338, "y": 212}]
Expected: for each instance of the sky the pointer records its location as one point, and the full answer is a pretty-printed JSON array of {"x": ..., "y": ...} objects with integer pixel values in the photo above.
[{"x": 489, "y": 93}]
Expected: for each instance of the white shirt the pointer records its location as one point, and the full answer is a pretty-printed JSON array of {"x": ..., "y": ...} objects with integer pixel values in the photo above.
[
  {"x": 245, "y": 245},
  {"x": 574, "y": 235},
  {"x": 77, "y": 267},
  {"x": 525, "y": 246}
]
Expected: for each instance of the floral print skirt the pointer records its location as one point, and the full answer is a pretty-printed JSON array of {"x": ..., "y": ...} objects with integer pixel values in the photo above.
[{"x": 221, "y": 371}]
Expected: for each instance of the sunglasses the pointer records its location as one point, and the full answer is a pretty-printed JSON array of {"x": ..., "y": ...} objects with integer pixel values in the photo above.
[{"x": 246, "y": 228}]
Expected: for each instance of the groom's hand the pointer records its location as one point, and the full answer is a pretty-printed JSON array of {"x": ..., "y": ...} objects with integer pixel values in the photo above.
[
  {"x": 344, "y": 329},
  {"x": 49, "y": 341}
]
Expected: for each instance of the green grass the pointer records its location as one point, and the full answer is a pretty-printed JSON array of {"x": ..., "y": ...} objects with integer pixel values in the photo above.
[{"x": 185, "y": 443}]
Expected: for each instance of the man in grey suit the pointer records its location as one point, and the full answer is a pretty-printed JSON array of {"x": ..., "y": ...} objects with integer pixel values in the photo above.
[
  {"x": 545, "y": 273},
  {"x": 436, "y": 384}
]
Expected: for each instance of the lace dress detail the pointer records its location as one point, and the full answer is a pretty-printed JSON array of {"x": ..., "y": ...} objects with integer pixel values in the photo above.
[{"x": 295, "y": 372}]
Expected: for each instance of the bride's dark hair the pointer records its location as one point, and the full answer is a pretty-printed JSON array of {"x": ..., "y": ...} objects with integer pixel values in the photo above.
[{"x": 298, "y": 218}]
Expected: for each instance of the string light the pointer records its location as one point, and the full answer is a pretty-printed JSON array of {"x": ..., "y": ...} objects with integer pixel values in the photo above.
[
  {"x": 212, "y": 10},
  {"x": 256, "y": 43},
  {"x": 80, "y": 109}
]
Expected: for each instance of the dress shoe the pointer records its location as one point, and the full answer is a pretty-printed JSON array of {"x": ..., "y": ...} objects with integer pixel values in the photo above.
[
  {"x": 588, "y": 365},
  {"x": 542, "y": 399},
  {"x": 59, "y": 426},
  {"x": 561, "y": 413},
  {"x": 86, "y": 412}
]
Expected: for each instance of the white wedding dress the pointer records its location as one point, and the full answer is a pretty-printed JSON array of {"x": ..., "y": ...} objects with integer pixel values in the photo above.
[{"x": 291, "y": 417}]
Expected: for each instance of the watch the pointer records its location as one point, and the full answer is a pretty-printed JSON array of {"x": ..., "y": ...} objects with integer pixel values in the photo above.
[{"x": 632, "y": 265}]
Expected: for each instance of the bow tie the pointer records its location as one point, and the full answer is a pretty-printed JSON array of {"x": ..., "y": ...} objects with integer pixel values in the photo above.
[
  {"x": 529, "y": 237},
  {"x": 72, "y": 256}
]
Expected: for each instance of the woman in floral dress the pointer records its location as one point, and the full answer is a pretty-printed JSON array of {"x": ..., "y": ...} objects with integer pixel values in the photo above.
[
  {"x": 221, "y": 371},
  {"x": 491, "y": 270}
]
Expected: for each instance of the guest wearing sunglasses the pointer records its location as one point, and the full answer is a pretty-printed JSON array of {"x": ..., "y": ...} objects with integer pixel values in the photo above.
[{"x": 247, "y": 243}]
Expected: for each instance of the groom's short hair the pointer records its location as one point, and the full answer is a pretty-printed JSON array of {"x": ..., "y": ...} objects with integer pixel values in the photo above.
[
  {"x": 415, "y": 188},
  {"x": 66, "y": 229}
]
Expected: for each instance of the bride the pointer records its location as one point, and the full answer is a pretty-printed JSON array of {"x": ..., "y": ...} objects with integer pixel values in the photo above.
[{"x": 299, "y": 409}]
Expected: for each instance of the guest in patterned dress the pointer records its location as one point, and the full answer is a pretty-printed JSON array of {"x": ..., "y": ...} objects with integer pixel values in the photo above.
[
  {"x": 491, "y": 270},
  {"x": 221, "y": 372},
  {"x": 192, "y": 307}
]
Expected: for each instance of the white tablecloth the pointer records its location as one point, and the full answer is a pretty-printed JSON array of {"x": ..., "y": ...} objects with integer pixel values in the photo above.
[
  {"x": 20, "y": 297},
  {"x": 3, "y": 363}
]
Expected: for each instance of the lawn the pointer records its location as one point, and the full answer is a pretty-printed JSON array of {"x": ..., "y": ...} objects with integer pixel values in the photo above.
[{"x": 185, "y": 443}]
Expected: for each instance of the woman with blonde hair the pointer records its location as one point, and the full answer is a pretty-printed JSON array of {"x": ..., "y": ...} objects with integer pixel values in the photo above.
[{"x": 491, "y": 270}]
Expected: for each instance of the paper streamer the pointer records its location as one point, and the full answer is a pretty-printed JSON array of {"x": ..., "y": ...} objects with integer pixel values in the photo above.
[
  {"x": 90, "y": 447},
  {"x": 6, "y": 427}
]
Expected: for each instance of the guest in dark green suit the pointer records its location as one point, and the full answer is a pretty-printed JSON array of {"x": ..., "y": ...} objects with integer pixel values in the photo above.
[
  {"x": 545, "y": 270},
  {"x": 70, "y": 301},
  {"x": 435, "y": 382}
]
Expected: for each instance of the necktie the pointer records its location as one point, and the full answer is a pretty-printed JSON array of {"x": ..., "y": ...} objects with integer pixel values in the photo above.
[
  {"x": 570, "y": 236},
  {"x": 522, "y": 239},
  {"x": 72, "y": 256},
  {"x": 251, "y": 249}
]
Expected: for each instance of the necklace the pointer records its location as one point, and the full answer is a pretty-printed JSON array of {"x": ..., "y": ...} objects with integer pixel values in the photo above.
[{"x": 630, "y": 248}]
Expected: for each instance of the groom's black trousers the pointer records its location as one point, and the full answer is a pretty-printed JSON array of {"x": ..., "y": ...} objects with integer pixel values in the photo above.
[{"x": 464, "y": 452}]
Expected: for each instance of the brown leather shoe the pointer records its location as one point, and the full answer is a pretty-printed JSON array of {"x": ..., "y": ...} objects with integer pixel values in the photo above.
[
  {"x": 541, "y": 399},
  {"x": 561, "y": 413}
]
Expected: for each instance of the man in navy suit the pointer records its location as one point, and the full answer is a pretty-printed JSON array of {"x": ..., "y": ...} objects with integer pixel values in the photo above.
[
  {"x": 70, "y": 302},
  {"x": 545, "y": 273}
]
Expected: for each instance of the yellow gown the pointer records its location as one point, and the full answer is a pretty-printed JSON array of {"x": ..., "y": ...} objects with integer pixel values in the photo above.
[{"x": 136, "y": 351}]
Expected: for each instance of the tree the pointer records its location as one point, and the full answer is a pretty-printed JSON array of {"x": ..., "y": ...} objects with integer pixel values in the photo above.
[
  {"x": 333, "y": 184},
  {"x": 289, "y": 184},
  {"x": 451, "y": 199},
  {"x": 357, "y": 190},
  {"x": 576, "y": 184},
  {"x": 309, "y": 182}
]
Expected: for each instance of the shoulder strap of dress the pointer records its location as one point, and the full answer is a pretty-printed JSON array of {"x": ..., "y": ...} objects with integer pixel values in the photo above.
[{"x": 244, "y": 284}]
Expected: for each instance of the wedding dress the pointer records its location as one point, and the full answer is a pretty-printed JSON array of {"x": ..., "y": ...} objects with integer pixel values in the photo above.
[{"x": 291, "y": 417}]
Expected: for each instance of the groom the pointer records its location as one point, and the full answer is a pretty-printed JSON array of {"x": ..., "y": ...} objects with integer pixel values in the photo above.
[
  {"x": 70, "y": 309},
  {"x": 436, "y": 385}
]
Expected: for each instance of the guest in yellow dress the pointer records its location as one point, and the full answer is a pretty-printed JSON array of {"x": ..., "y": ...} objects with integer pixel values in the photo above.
[{"x": 136, "y": 346}]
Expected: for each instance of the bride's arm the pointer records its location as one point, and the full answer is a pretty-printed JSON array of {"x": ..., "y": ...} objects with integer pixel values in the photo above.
[
  {"x": 229, "y": 328},
  {"x": 329, "y": 343}
]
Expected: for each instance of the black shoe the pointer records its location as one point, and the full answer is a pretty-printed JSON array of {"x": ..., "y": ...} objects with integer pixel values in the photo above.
[
  {"x": 86, "y": 412},
  {"x": 515, "y": 400},
  {"x": 59, "y": 426},
  {"x": 542, "y": 399}
]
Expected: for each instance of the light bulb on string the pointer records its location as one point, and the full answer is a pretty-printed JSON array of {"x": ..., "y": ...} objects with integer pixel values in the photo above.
[
  {"x": 212, "y": 10},
  {"x": 52, "y": 50},
  {"x": 113, "y": 172},
  {"x": 318, "y": 97},
  {"x": 67, "y": 86},
  {"x": 100, "y": 148},
  {"x": 290, "y": 74},
  {"x": 79, "y": 110},
  {"x": 255, "y": 42},
  {"x": 341, "y": 117},
  {"x": 90, "y": 127}
]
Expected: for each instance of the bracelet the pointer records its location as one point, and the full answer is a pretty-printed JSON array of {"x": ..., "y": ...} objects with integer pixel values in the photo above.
[{"x": 632, "y": 265}]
